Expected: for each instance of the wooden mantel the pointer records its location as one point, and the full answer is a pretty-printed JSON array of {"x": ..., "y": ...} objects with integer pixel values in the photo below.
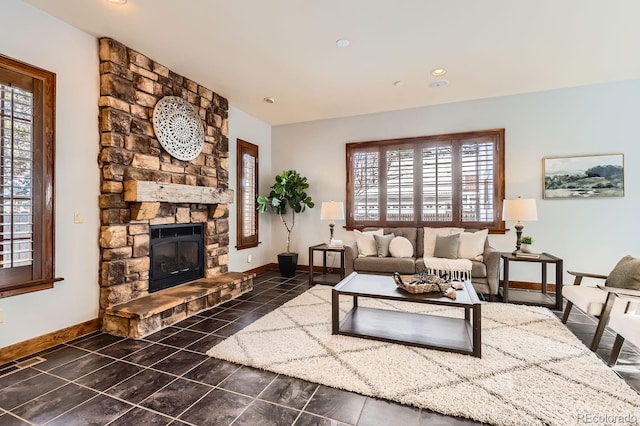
[{"x": 144, "y": 191}]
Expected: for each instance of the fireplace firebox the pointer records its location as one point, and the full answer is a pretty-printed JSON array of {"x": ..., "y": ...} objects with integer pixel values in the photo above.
[{"x": 177, "y": 255}]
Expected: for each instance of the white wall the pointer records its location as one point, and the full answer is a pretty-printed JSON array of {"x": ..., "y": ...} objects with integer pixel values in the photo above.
[
  {"x": 248, "y": 128},
  {"x": 32, "y": 36},
  {"x": 589, "y": 234}
]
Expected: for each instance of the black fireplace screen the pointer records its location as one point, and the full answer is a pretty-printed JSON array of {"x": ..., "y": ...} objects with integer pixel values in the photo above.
[{"x": 177, "y": 255}]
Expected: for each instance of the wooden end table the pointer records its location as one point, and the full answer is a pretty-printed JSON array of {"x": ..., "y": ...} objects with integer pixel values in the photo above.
[
  {"x": 525, "y": 297},
  {"x": 327, "y": 276}
]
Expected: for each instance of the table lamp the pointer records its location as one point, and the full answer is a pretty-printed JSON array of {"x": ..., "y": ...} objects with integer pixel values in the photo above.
[
  {"x": 519, "y": 209},
  {"x": 332, "y": 211}
]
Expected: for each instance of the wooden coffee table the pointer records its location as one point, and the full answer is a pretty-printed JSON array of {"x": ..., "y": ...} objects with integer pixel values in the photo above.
[{"x": 423, "y": 330}]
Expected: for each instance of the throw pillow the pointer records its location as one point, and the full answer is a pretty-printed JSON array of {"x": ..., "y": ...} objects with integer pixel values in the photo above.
[
  {"x": 382, "y": 244},
  {"x": 366, "y": 243},
  {"x": 401, "y": 247},
  {"x": 472, "y": 245},
  {"x": 430, "y": 238},
  {"x": 626, "y": 274},
  {"x": 447, "y": 246}
]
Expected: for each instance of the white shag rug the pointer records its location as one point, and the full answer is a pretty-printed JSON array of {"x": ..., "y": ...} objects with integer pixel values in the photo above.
[{"x": 533, "y": 370}]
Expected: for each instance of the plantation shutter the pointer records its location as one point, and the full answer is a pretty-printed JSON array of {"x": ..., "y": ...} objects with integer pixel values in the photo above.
[
  {"x": 365, "y": 168},
  {"x": 477, "y": 167},
  {"x": 441, "y": 180},
  {"x": 400, "y": 185},
  {"x": 247, "y": 214},
  {"x": 437, "y": 183},
  {"x": 16, "y": 178}
]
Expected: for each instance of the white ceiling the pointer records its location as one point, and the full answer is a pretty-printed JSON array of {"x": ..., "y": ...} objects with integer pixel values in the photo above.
[{"x": 246, "y": 50}]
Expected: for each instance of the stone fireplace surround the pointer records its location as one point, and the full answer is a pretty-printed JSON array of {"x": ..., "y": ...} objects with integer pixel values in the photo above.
[{"x": 141, "y": 185}]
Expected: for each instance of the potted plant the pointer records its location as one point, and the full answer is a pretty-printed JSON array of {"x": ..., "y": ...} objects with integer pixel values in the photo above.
[
  {"x": 525, "y": 244},
  {"x": 287, "y": 194}
]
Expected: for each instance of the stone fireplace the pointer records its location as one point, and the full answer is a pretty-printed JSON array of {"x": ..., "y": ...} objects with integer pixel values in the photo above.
[{"x": 142, "y": 186}]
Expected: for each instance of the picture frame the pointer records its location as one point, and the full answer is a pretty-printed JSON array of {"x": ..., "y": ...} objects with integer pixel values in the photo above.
[{"x": 583, "y": 176}]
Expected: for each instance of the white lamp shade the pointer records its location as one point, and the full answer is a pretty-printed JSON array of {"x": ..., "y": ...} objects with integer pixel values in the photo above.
[
  {"x": 520, "y": 209},
  {"x": 332, "y": 210}
]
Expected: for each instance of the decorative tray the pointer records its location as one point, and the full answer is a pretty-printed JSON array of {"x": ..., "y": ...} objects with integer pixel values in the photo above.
[{"x": 423, "y": 283}]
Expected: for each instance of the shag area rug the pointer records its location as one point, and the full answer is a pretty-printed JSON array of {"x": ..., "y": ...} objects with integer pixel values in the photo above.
[{"x": 533, "y": 370}]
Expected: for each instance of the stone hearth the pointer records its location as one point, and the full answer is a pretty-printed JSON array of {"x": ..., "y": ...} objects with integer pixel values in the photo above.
[
  {"x": 144, "y": 315},
  {"x": 142, "y": 185}
]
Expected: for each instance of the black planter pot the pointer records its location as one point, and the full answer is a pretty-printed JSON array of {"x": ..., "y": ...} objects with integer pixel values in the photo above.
[{"x": 287, "y": 263}]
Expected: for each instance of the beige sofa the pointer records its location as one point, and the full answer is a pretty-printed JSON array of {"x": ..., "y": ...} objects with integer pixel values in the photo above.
[{"x": 485, "y": 275}]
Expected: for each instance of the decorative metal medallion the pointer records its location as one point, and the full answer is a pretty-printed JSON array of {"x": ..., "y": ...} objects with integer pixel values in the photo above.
[{"x": 178, "y": 128}]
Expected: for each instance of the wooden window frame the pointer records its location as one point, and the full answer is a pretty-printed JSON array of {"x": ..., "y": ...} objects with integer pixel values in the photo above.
[
  {"x": 416, "y": 143},
  {"x": 245, "y": 242},
  {"x": 42, "y": 271}
]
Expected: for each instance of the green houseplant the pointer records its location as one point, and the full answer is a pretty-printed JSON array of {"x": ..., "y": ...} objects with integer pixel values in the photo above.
[
  {"x": 287, "y": 194},
  {"x": 525, "y": 244}
]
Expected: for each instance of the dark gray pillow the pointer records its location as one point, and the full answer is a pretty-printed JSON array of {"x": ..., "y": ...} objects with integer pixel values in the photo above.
[
  {"x": 382, "y": 244},
  {"x": 626, "y": 274},
  {"x": 447, "y": 246}
]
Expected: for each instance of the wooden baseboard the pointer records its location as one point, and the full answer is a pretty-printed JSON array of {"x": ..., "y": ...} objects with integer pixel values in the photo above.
[
  {"x": 525, "y": 285},
  {"x": 274, "y": 267},
  {"x": 262, "y": 269},
  {"x": 40, "y": 343}
]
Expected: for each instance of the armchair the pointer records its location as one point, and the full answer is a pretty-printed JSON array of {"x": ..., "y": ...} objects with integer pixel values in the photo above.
[{"x": 600, "y": 300}]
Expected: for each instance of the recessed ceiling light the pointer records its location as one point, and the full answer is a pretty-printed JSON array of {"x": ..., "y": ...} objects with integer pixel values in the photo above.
[
  {"x": 269, "y": 100},
  {"x": 438, "y": 72},
  {"x": 438, "y": 84},
  {"x": 398, "y": 83},
  {"x": 118, "y": 1},
  {"x": 342, "y": 42}
]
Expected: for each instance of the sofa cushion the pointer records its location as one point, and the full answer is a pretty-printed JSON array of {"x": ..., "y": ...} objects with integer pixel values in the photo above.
[
  {"x": 389, "y": 265},
  {"x": 472, "y": 244},
  {"x": 410, "y": 233},
  {"x": 366, "y": 242},
  {"x": 447, "y": 246},
  {"x": 382, "y": 244},
  {"x": 430, "y": 238},
  {"x": 401, "y": 247}
]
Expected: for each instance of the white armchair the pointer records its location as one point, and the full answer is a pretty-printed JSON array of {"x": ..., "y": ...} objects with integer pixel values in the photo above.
[
  {"x": 627, "y": 326},
  {"x": 600, "y": 301},
  {"x": 590, "y": 300}
]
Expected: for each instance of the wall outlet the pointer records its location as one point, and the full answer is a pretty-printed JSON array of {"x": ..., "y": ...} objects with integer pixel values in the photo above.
[
  {"x": 249, "y": 258},
  {"x": 1, "y": 315},
  {"x": 78, "y": 217}
]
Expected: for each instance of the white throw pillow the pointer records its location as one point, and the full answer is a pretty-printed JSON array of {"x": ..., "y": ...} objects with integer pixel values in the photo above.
[
  {"x": 472, "y": 245},
  {"x": 401, "y": 247},
  {"x": 366, "y": 242},
  {"x": 430, "y": 238}
]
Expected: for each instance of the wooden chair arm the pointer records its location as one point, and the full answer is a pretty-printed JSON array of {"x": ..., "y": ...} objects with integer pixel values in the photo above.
[
  {"x": 580, "y": 275},
  {"x": 620, "y": 291},
  {"x": 587, "y": 275}
]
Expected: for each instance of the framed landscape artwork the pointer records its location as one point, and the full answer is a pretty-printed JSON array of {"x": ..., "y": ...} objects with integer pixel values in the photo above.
[{"x": 586, "y": 176}]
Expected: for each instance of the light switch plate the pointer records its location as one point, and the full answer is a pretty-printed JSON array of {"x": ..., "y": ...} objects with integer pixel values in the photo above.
[
  {"x": 78, "y": 217},
  {"x": 1, "y": 315}
]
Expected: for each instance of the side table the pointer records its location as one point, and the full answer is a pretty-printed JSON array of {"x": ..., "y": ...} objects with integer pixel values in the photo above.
[
  {"x": 532, "y": 297},
  {"x": 327, "y": 276}
]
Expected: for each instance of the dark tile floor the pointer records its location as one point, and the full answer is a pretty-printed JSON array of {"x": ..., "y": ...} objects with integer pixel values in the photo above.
[{"x": 166, "y": 378}]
